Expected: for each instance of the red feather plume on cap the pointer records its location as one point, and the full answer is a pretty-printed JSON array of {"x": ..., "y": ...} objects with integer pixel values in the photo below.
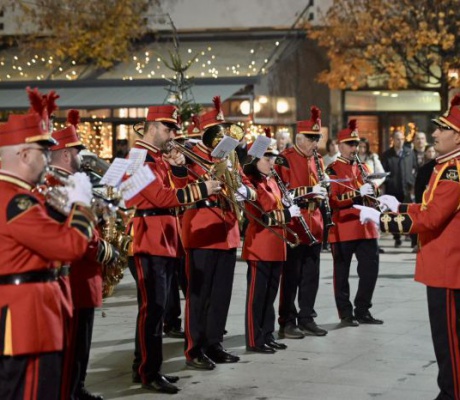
[
  {"x": 315, "y": 113},
  {"x": 352, "y": 124},
  {"x": 268, "y": 132},
  {"x": 36, "y": 100},
  {"x": 50, "y": 100},
  {"x": 73, "y": 117},
  {"x": 196, "y": 120},
  {"x": 217, "y": 103},
  {"x": 455, "y": 101}
]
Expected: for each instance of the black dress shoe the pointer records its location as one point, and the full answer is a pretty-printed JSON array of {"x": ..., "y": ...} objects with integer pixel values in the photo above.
[
  {"x": 160, "y": 384},
  {"x": 311, "y": 329},
  {"x": 221, "y": 356},
  {"x": 201, "y": 362},
  {"x": 171, "y": 378},
  {"x": 136, "y": 377},
  {"x": 350, "y": 321},
  {"x": 175, "y": 333},
  {"x": 83, "y": 394},
  {"x": 276, "y": 345},
  {"x": 262, "y": 349},
  {"x": 290, "y": 331},
  {"x": 369, "y": 319}
]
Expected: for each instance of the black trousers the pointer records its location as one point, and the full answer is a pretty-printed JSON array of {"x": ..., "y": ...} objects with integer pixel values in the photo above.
[
  {"x": 263, "y": 281},
  {"x": 153, "y": 284},
  {"x": 36, "y": 376},
  {"x": 444, "y": 313},
  {"x": 300, "y": 273},
  {"x": 210, "y": 281},
  {"x": 173, "y": 309},
  {"x": 76, "y": 356},
  {"x": 367, "y": 254}
]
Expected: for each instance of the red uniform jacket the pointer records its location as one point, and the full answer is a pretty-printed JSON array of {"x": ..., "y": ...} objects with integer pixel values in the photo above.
[
  {"x": 345, "y": 217},
  {"x": 86, "y": 273},
  {"x": 260, "y": 243},
  {"x": 298, "y": 172},
  {"x": 31, "y": 314},
  {"x": 437, "y": 221},
  {"x": 159, "y": 234},
  {"x": 212, "y": 227}
]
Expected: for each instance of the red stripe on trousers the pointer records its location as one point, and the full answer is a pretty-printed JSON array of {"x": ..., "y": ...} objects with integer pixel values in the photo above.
[
  {"x": 453, "y": 340},
  {"x": 142, "y": 314},
  {"x": 31, "y": 381},
  {"x": 253, "y": 266},
  {"x": 190, "y": 343},
  {"x": 69, "y": 356}
]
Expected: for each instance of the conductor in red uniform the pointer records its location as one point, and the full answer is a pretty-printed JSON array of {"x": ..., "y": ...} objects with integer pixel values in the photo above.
[
  {"x": 300, "y": 277},
  {"x": 348, "y": 236},
  {"x": 33, "y": 246},
  {"x": 156, "y": 242},
  {"x": 437, "y": 222}
]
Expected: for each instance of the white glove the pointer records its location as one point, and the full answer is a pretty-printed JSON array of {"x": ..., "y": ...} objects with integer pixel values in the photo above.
[
  {"x": 241, "y": 193},
  {"x": 367, "y": 214},
  {"x": 366, "y": 190},
  {"x": 79, "y": 189},
  {"x": 389, "y": 202},
  {"x": 319, "y": 191},
  {"x": 287, "y": 202},
  {"x": 294, "y": 210}
]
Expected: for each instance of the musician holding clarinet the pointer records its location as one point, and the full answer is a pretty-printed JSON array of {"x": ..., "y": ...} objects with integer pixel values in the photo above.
[
  {"x": 296, "y": 166},
  {"x": 348, "y": 236},
  {"x": 264, "y": 251}
]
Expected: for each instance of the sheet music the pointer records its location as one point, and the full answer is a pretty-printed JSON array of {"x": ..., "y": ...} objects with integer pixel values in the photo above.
[
  {"x": 115, "y": 173},
  {"x": 137, "y": 182},
  {"x": 260, "y": 146},
  {"x": 137, "y": 156},
  {"x": 225, "y": 146}
]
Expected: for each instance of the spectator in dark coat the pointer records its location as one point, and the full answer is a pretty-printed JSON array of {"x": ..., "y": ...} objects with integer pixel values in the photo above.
[{"x": 400, "y": 162}]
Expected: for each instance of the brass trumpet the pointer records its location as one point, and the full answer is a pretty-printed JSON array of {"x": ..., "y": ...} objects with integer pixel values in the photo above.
[{"x": 210, "y": 170}]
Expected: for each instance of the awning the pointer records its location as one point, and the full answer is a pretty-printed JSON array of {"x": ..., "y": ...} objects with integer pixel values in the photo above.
[{"x": 113, "y": 96}]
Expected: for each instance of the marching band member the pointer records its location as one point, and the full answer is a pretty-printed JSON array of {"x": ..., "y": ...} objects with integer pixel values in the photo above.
[
  {"x": 437, "y": 221},
  {"x": 297, "y": 168},
  {"x": 156, "y": 242},
  {"x": 264, "y": 252},
  {"x": 211, "y": 236},
  {"x": 85, "y": 274},
  {"x": 348, "y": 236},
  {"x": 33, "y": 307}
]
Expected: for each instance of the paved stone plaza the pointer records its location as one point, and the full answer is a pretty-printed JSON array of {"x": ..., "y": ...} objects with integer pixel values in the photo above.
[{"x": 390, "y": 362}]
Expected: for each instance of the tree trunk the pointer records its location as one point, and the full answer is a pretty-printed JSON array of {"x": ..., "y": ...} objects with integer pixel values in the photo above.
[{"x": 444, "y": 93}]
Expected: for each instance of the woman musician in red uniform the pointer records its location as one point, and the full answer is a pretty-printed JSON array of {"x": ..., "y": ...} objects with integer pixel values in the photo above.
[{"x": 264, "y": 251}]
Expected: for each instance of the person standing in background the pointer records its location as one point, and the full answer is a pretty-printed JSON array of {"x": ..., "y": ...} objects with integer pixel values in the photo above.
[
  {"x": 401, "y": 164},
  {"x": 332, "y": 148}
]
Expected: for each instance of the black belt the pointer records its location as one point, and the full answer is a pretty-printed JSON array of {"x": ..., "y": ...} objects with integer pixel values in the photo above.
[
  {"x": 206, "y": 204},
  {"x": 153, "y": 212},
  {"x": 41, "y": 276}
]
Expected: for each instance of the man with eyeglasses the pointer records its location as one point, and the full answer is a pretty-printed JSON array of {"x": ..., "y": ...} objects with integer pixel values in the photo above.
[
  {"x": 437, "y": 222},
  {"x": 297, "y": 168},
  {"x": 33, "y": 248},
  {"x": 348, "y": 236}
]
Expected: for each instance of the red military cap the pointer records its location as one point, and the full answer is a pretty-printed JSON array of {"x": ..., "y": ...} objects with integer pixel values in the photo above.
[
  {"x": 168, "y": 115},
  {"x": 33, "y": 127},
  {"x": 350, "y": 133},
  {"x": 311, "y": 126},
  {"x": 213, "y": 117},
  {"x": 451, "y": 119},
  {"x": 68, "y": 136}
]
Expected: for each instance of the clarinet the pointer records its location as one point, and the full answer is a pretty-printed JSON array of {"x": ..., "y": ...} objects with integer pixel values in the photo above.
[
  {"x": 327, "y": 206},
  {"x": 364, "y": 175},
  {"x": 287, "y": 198}
]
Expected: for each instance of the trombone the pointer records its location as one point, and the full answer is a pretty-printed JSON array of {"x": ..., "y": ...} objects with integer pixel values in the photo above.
[{"x": 210, "y": 170}]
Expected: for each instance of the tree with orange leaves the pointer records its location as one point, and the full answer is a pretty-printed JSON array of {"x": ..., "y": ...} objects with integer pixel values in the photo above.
[{"x": 396, "y": 44}]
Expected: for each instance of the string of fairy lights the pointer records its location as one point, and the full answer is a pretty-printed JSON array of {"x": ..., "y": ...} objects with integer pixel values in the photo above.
[{"x": 249, "y": 58}]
